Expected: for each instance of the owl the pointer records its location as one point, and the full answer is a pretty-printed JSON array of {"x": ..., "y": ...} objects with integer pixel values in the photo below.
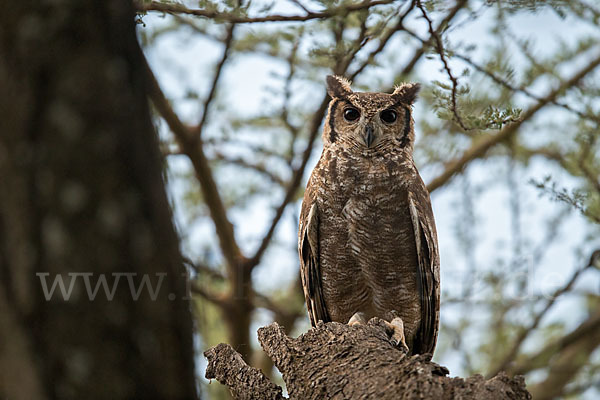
[{"x": 367, "y": 239}]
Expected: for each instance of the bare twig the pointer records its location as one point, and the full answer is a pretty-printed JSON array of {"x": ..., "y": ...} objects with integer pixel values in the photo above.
[
  {"x": 421, "y": 51},
  {"x": 440, "y": 50},
  {"x": 219, "y": 300},
  {"x": 516, "y": 346},
  {"x": 218, "y": 143},
  {"x": 280, "y": 312},
  {"x": 260, "y": 168},
  {"x": 293, "y": 185},
  {"x": 383, "y": 42},
  {"x": 198, "y": 29},
  {"x": 203, "y": 269},
  {"x": 173, "y": 8},
  {"x": 294, "y": 131},
  {"x": 359, "y": 43},
  {"x": 260, "y": 300},
  {"x": 574, "y": 391},
  {"x": 540, "y": 359},
  {"x": 481, "y": 146},
  {"x": 565, "y": 366},
  {"x": 302, "y": 6},
  {"x": 585, "y": 169},
  {"x": 590, "y": 175},
  {"x": 213, "y": 87}
]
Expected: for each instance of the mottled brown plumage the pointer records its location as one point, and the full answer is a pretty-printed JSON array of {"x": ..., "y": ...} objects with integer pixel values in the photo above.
[{"x": 367, "y": 237}]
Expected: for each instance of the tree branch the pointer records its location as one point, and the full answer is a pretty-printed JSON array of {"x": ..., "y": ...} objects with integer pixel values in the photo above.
[
  {"x": 293, "y": 185},
  {"x": 280, "y": 313},
  {"x": 204, "y": 269},
  {"x": 382, "y": 42},
  {"x": 542, "y": 357},
  {"x": 302, "y": 6},
  {"x": 566, "y": 357},
  {"x": 219, "y": 142},
  {"x": 213, "y": 88},
  {"x": 218, "y": 300},
  {"x": 259, "y": 299},
  {"x": 481, "y": 146},
  {"x": 260, "y": 168},
  {"x": 193, "y": 149},
  {"x": 512, "y": 353},
  {"x": 172, "y": 8},
  {"x": 590, "y": 175},
  {"x": 287, "y": 94},
  {"x": 421, "y": 51},
  {"x": 336, "y": 360},
  {"x": 245, "y": 383},
  {"x": 566, "y": 366}
]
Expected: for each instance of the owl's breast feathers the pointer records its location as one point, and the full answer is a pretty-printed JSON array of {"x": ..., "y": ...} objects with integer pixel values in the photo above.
[{"x": 368, "y": 243}]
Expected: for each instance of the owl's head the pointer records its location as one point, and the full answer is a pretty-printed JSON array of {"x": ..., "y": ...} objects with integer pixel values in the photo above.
[{"x": 370, "y": 121}]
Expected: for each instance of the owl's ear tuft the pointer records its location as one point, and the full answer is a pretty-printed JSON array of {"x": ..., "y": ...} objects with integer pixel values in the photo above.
[
  {"x": 338, "y": 86},
  {"x": 407, "y": 92}
]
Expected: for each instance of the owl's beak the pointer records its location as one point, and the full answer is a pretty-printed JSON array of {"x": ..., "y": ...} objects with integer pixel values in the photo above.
[{"x": 369, "y": 136}]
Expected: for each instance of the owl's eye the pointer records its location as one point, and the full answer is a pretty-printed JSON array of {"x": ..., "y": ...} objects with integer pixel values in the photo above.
[
  {"x": 388, "y": 116},
  {"x": 351, "y": 114}
]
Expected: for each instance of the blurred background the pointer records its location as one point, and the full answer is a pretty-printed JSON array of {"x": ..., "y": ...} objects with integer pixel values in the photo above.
[{"x": 508, "y": 142}]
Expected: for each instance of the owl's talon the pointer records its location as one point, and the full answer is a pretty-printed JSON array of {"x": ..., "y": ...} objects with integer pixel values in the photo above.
[
  {"x": 358, "y": 319},
  {"x": 396, "y": 332}
]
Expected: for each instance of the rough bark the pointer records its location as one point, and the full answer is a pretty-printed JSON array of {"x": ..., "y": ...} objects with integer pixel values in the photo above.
[
  {"x": 82, "y": 192},
  {"x": 337, "y": 361}
]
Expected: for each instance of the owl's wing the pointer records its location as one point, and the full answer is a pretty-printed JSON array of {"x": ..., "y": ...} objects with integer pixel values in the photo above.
[
  {"x": 428, "y": 269},
  {"x": 310, "y": 269}
]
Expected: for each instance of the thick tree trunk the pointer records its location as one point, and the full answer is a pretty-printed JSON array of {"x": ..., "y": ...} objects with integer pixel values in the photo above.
[
  {"x": 82, "y": 197},
  {"x": 337, "y": 361}
]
